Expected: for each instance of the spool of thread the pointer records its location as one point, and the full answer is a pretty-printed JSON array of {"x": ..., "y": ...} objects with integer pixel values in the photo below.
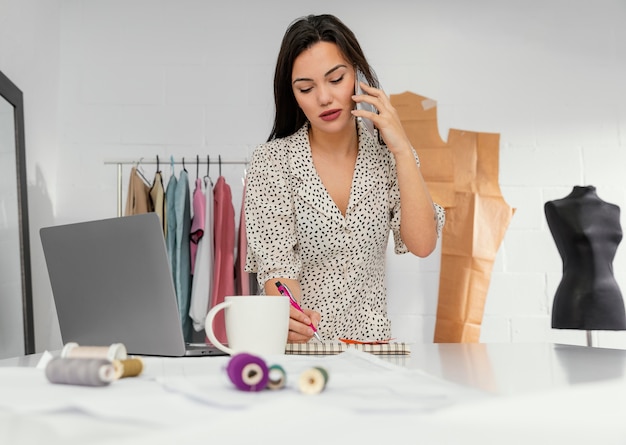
[
  {"x": 277, "y": 378},
  {"x": 80, "y": 371},
  {"x": 313, "y": 381},
  {"x": 116, "y": 351},
  {"x": 247, "y": 372},
  {"x": 130, "y": 367},
  {"x": 118, "y": 367}
]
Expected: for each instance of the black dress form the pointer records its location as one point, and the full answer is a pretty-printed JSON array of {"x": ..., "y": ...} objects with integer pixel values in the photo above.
[{"x": 586, "y": 231}]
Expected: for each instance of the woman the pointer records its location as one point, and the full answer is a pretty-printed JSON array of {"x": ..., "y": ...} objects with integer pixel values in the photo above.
[{"x": 323, "y": 194}]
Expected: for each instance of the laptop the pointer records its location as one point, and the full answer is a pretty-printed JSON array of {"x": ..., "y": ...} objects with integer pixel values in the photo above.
[{"x": 112, "y": 283}]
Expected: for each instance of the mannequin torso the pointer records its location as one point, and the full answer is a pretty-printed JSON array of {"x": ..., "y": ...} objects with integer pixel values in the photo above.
[{"x": 586, "y": 231}]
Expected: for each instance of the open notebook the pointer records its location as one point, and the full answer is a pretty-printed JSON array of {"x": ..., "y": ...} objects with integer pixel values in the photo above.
[{"x": 330, "y": 348}]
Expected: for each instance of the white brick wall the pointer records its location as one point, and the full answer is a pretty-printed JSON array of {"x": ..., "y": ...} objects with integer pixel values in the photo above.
[{"x": 140, "y": 78}]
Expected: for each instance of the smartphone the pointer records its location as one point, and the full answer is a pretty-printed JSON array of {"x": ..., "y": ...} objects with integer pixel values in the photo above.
[{"x": 360, "y": 77}]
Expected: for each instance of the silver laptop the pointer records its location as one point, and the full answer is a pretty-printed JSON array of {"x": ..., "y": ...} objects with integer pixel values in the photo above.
[{"x": 112, "y": 283}]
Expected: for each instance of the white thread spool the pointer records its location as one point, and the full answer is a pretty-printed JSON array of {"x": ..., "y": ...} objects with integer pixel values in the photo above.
[
  {"x": 116, "y": 351},
  {"x": 313, "y": 381}
]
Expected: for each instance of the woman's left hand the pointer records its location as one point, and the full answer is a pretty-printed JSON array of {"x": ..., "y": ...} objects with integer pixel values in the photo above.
[{"x": 387, "y": 120}]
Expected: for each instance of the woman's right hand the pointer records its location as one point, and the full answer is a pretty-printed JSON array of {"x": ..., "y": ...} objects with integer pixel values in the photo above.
[{"x": 299, "y": 329}]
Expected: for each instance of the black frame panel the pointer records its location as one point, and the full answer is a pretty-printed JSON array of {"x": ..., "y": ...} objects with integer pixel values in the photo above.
[{"x": 10, "y": 92}]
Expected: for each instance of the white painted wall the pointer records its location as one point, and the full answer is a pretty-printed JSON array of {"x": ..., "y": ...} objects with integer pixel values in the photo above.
[
  {"x": 137, "y": 78},
  {"x": 29, "y": 56}
]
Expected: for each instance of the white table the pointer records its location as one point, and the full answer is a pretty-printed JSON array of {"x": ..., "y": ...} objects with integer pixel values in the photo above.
[{"x": 443, "y": 393}]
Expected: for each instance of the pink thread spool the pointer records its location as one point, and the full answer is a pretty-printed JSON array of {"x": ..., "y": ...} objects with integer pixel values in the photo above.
[
  {"x": 116, "y": 351},
  {"x": 248, "y": 372}
]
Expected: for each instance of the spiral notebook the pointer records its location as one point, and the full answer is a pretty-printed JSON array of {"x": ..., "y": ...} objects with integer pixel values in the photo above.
[{"x": 315, "y": 348}]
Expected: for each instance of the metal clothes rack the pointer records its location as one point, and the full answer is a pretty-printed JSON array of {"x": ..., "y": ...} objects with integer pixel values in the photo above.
[{"x": 156, "y": 161}]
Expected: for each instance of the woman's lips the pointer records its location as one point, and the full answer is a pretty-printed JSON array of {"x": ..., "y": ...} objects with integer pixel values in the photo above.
[{"x": 330, "y": 115}]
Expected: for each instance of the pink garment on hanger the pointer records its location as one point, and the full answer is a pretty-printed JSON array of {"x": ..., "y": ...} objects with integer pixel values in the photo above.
[
  {"x": 197, "y": 222},
  {"x": 242, "y": 278},
  {"x": 224, "y": 265}
]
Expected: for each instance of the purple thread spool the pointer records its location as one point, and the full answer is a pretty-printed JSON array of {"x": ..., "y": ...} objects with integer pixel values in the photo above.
[{"x": 248, "y": 372}]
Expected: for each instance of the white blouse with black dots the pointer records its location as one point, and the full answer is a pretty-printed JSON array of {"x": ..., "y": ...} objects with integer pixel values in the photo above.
[{"x": 295, "y": 230}]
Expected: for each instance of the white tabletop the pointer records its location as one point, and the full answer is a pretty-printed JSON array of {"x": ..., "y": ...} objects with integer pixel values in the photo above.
[
  {"x": 517, "y": 368},
  {"x": 442, "y": 393}
]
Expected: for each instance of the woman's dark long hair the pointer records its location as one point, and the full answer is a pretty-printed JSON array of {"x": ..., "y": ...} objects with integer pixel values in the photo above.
[{"x": 301, "y": 35}]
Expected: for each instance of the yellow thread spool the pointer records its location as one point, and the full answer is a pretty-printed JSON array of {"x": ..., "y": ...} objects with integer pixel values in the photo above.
[
  {"x": 130, "y": 367},
  {"x": 313, "y": 381}
]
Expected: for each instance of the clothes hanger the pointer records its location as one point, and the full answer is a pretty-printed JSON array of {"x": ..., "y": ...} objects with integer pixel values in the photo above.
[
  {"x": 207, "y": 177},
  {"x": 219, "y": 158},
  {"x": 140, "y": 172},
  {"x": 172, "y": 170},
  {"x": 158, "y": 176},
  {"x": 197, "y": 167}
]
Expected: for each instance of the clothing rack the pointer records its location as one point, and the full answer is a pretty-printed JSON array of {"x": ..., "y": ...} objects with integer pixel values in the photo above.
[{"x": 156, "y": 161}]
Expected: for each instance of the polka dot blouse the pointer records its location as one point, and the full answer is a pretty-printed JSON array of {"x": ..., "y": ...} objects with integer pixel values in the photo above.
[{"x": 295, "y": 230}]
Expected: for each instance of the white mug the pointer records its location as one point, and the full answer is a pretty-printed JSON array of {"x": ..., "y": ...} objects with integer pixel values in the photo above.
[{"x": 255, "y": 324}]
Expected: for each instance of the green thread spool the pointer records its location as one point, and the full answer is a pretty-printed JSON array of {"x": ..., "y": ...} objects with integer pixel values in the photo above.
[{"x": 277, "y": 377}]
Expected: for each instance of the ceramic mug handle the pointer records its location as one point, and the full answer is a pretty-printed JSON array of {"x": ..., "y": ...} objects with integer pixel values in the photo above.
[{"x": 208, "y": 327}]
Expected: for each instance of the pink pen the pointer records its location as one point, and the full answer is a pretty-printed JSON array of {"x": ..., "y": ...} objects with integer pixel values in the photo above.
[{"x": 284, "y": 290}]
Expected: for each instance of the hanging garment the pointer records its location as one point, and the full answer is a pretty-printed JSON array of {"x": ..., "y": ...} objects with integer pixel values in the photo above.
[
  {"x": 170, "y": 233},
  {"x": 138, "y": 199},
  {"x": 224, "y": 266},
  {"x": 182, "y": 273},
  {"x": 157, "y": 199},
  {"x": 197, "y": 221},
  {"x": 201, "y": 284},
  {"x": 242, "y": 280}
]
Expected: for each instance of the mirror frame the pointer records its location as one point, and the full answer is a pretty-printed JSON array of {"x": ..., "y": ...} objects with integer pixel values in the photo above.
[{"x": 10, "y": 92}]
